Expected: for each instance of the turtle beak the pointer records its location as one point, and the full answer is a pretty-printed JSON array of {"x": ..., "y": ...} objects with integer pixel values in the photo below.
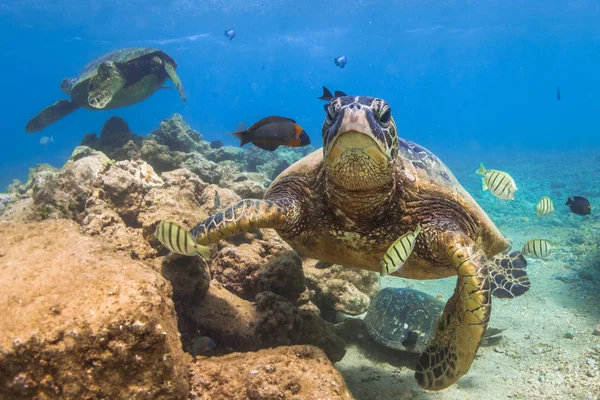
[
  {"x": 354, "y": 157},
  {"x": 356, "y": 130}
]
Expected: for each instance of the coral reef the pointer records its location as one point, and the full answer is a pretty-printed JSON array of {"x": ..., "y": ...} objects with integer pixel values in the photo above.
[
  {"x": 335, "y": 288},
  {"x": 79, "y": 321},
  {"x": 294, "y": 372},
  {"x": 91, "y": 276},
  {"x": 116, "y": 140}
]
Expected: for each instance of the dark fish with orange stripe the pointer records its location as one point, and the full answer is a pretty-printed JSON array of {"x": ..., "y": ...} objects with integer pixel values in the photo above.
[
  {"x": 271, "y": 132},
  {"x": 179, "y": 240}
]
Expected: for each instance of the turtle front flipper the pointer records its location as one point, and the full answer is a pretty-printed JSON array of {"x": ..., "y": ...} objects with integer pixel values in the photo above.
[
  {"x": 50, "y": 115},
  {"x": 464, "y": 320},
  {"x": 508, "y": 276},
  {"x": 245, "y": 215},
  {"x": 102, "y": 87},
  {"x": 175, "y": 79}
]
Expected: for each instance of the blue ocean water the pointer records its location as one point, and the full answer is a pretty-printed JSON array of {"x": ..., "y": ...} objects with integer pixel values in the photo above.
[{"x": 464, "y": 79}]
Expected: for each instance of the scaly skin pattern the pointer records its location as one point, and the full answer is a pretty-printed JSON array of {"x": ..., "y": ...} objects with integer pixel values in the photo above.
[
  {"x": 348, "y": 202},
  {"x": 463, "y": 322}
]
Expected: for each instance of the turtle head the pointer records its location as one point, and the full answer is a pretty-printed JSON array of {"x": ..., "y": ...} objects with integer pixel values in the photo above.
[
  {"x": 67, "y": 84},
  {"x": 360, "y": 142}
]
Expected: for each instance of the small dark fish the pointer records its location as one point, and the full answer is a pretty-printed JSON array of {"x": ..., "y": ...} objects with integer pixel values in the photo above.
[
  {"x": 217, "y": 202},
  {"x": 203, "y": 345},
  {"x": 327, "y": 96},
  {"x": 340, "y": 61},
  {"x": 558, "y": 93},
  {"x": 230, "y": 33},
  {"x": 579, "y": 205},
  {"x": 271, "y": 132},
  {"x": 216, "y": 144}
]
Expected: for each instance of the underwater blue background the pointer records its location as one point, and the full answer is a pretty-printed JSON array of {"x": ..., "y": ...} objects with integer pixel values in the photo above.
[{"x": 471, "y": 81}]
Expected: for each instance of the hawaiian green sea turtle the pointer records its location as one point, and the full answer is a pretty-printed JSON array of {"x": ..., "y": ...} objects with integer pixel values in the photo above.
[
  {"x": 349, "y": 201},
  {"x": 117, "y": 79},
  {"x": 402, "y": 318},
  {"x": 405, "y": 319}
]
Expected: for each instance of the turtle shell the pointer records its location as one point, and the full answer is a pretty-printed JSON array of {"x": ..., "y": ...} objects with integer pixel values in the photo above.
[
  {"x": 402, "y": 318},
  {"x": 118, "y": 56}
]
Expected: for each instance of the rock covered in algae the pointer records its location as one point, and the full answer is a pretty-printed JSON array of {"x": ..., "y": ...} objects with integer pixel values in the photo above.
[
  {"x": 293, "y": 372},
  {"x": 161, "y": 157},
  {"x": 335, "y": 288},
  {"x": 242, "y": 260},
  {"x": 207, "y": 170},
  {"x": 114, "y": 140},
  {"x": 177, "y": 135},
  {"x": 236, "y": 324},
  {"x": 79, "y": 321},
  {"x": 121, "y": 202}
]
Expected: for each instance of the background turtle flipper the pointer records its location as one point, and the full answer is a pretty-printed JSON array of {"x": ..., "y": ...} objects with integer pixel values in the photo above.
[
  {"x": 102, "y": 87},
  {"x": 509, "y": 278},
  {"x": 243, "y": 216},
  {"x": 462, "y": 325},
  {"x": 50, "y": 115},
  {"x": 175, "y": 79}
]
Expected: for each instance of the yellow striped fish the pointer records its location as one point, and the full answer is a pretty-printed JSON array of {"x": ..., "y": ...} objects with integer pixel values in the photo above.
[
  {"x": 501, "y": 184},
  {"x": 544, "y": 207},
  {"x": 538, "y": 248},
  {"x": 399, "y": 252},
  {"x": 179, "y": 240}
]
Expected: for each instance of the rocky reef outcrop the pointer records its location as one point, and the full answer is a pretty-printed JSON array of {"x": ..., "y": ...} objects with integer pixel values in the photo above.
[
  {"x": 335, "y": 288},
  {"x": 80, "y": 321},
  {"x": 294, "y": 372},
  {"x": 86, "y": 287}
]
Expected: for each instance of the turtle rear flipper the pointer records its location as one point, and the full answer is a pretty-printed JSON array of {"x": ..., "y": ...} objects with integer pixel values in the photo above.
[
  {"x": 463, "y": 323},
  {"x": 509, "y": 278},
  {"x": 50, "y": 115},
  {"x": 175, "y": 79},
  {"x": 102, "y": 87}
]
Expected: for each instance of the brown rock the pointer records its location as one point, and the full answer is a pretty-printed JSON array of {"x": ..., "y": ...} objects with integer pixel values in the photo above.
[
  {"x": 284, "y": 276},
  {"x": 79, "y": 321},
  {"x": 116, "y": 140},
  {"x": 248, "y": 185},
  {"x": 295, "y": 372},
  {"x": 227, "y": 197},
  {"x": 240, "y": 263},
  {"x": 236, "y": 324},
  {"x": 340, "y": 289},
  {"x": 226, "y": 318}
]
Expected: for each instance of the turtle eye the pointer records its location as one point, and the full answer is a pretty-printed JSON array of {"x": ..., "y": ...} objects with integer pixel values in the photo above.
[
  {"x": 330, "y": 114},
  {"x": 385, "y": 116}
]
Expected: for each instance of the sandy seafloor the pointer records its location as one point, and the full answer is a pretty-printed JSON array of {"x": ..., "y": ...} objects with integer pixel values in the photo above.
[{"x": 548, "y": 350}]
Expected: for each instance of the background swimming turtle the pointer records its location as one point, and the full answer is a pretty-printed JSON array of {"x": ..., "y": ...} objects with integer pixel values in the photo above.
[
  {"x": 405, "y": 319},
  {"x": 349, "y": 201},
  {"x": 116, "y": 79},
  {"x": 402, "y": 318}
]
